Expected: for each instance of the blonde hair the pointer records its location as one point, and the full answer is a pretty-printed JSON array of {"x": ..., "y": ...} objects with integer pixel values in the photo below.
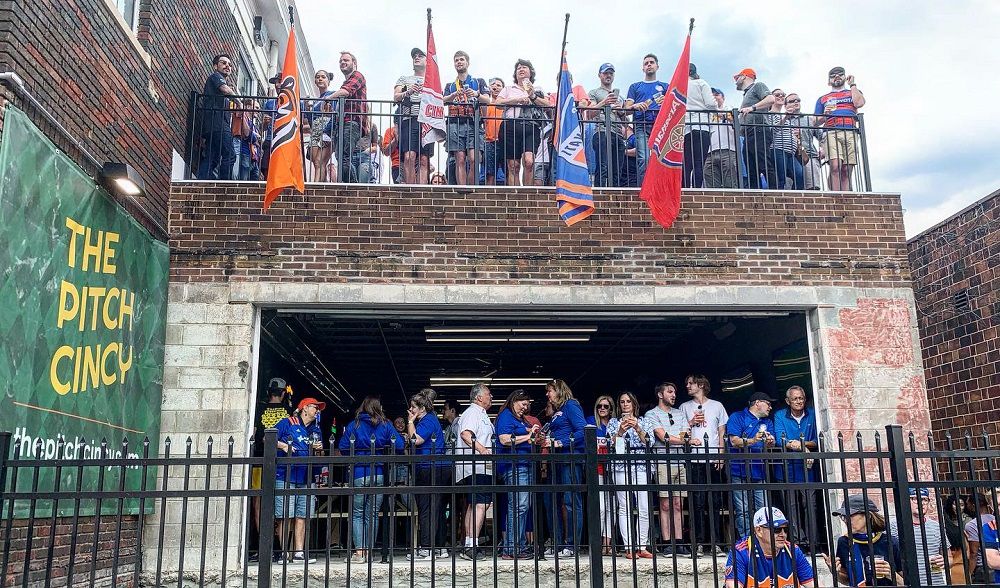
[
  {"x": 563, "y": 393},
  {"x": 613, "y": 413}
]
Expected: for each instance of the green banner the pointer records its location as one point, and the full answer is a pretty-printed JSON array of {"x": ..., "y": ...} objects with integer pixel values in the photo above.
[{"x": 84, "y": 296}]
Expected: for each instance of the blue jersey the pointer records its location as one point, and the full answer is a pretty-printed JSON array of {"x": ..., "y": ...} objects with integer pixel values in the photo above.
[
  {"x": 746, "y": 424},
  {"x": 844, "y": 110},
  {"x": 567, "y": 426},
  {"x": 297, "y": 435},
  {"x": 788, "y": 429},
  {"x": 989, "y": 541},
  {"x": 642, "y": 91},
  {"x": 508, "y": 424},
  {"x": 429, "y": 429},
  {"x": 748, "y": 567}
]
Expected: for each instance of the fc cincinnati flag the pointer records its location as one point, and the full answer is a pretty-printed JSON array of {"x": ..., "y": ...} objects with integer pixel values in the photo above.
[
  {"x": 661, "y": 188},
  {"x": 574, "y": 192},
  {"x": 431, "y": 116},
  {"x": 285, "y": 167}
]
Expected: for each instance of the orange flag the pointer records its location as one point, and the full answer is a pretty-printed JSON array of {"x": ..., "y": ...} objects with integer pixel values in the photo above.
[{"x": 285, "y": 167}]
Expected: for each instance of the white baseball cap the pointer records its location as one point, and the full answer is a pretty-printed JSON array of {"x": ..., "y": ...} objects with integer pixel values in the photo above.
[{"x": 769, "y": 517}]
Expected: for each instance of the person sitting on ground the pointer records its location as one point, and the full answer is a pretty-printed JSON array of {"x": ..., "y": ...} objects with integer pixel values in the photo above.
[
  {"x": 438, "y": 179},
  {"x": 765, "y": 557},
  {"x": 866, "y": 555}
]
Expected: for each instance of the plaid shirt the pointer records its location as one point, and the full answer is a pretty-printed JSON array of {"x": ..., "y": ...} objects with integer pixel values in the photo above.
[{"x": 356, "y": 106}]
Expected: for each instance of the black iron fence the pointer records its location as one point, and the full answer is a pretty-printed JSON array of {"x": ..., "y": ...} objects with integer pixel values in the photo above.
[
  {"x": 604, "y": 516},
  {"x": 494, "y": 145}
]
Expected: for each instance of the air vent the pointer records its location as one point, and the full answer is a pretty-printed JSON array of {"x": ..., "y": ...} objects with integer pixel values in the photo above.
[{"x": 961, "y": 301}]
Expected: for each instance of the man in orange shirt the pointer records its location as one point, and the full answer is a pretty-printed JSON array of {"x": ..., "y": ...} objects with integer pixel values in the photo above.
[
  {"x": 492, "y": 117},
  {"x": 390, "y": 148}
]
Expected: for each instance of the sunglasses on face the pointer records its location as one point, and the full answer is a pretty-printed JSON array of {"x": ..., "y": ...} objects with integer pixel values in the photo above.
[
  {"x": 779, "y": 95},
  {"x": 781, "y": 530},
  {"x": 604, "y": 406},
  {"x": 794, "y": 101}
]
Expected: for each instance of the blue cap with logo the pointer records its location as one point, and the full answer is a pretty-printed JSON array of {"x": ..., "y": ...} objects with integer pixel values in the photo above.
[{"x": 605, "y": 67}]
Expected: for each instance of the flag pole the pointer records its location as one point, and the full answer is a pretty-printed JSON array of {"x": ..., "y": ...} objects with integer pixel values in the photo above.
[{"x": 555, "y": 111}]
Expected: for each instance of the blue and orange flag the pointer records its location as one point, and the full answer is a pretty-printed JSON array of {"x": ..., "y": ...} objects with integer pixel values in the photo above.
[
  {"x": 661, "y": 188},
  {"x": 285, "y": 167},
  {"x": 574, "y": 192}
]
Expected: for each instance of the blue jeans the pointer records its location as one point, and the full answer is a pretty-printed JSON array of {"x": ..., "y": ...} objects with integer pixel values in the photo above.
[
  {"x": 217, "y": 156},
  {"x": 364, "y": 508},
  {"x": 743, "y": 508},
  {"x": 566, "y": 474},
  {"x": 786, "y": 165},
  {"x": 642, "y": 148},
  {"x": 517, "y": 509}
]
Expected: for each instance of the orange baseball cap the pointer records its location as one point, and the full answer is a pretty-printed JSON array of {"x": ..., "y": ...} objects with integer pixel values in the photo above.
[
  {"x": 746, "y": 72},
  {"x": 307, "y": 401}
]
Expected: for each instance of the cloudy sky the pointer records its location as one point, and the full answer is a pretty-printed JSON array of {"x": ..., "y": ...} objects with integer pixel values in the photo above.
[{"x": 928, "y": 69}]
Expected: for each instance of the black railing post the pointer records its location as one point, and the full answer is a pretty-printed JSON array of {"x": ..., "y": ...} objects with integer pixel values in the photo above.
[
  {"x": 4, "y": 450},
  {"x": 735, "y": 114},
  {"x": 593, "y": 513},
  {"x": 268, "y": 476},
  {"x": 189, "y": 135},
  {"x": 341, "y": 115},
  {"x": 867, "y": 174},
  {"x": 901, "y": 500}
]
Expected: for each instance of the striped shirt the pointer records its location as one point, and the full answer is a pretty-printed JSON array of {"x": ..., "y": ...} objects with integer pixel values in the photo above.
[
  {"x": 928, "y": 542},
  {"x": 782, "y": 138},
  {"x": 844, "y": 109}
]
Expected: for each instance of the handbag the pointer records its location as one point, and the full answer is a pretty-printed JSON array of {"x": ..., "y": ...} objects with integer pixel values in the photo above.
[{"x": 802, "y": 155}]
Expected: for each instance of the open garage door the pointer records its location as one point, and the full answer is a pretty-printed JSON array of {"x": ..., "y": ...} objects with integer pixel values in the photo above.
[{"x": 345, "y": 354}]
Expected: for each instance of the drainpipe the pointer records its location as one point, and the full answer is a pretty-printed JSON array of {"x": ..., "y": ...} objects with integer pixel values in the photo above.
[{"x": 14, "y": 82}]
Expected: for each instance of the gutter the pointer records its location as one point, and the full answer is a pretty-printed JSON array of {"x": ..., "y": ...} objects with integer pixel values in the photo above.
[{"x": 14, "y": 82}]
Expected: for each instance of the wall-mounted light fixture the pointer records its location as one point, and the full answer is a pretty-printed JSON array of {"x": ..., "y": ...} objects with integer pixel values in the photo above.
[{"x": 122, "y": 178}]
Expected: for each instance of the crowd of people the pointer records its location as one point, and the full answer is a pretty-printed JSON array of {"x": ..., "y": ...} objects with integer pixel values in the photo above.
[
  {"x": 499, "y": 130},
  {"x": 766, "y": 540}
]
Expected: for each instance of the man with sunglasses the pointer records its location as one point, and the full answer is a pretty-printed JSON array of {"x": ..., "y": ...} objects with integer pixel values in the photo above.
[
  {"x": 749, "y": 431},
  {"x": 837, "y": 110},
  {"x": 765, "y": 557},
  {"x": 670, "y": 431}
]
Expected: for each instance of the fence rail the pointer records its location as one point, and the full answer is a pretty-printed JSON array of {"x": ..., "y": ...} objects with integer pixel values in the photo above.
[
  {"x": 489, "y": 145},
  {"x": 602, "y": 516}
]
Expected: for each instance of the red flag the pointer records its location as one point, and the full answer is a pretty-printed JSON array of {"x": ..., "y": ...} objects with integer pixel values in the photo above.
[
  {"x": 431, "y": 116},
  {"x": 285, "y": 167},
  {"x": 661, "y": 188}
]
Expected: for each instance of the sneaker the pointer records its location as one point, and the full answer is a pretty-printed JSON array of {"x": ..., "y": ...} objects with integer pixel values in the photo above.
[
  {"x": 419, "y": 555},
  {"x": 441, "y": 552},
  {"x": 507, "y": 556},
  {"x": 667, "y": 549},
  {"x": 642, "y": 553},
  {"x": 566, "y": 552},
  {"x": 300, "y": 557},
  {"x": 549, "y": 551},
  {"x": 254, "y": 558},
  {"x": 473, "y": 554},
  {"x": 356, "y": 557},
  {"x": 683, "y": 550}
]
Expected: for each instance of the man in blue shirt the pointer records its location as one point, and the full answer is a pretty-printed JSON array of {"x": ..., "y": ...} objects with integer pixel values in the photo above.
[
  {"x": 795, "y": 430},
  {"x": 766, "y": 558},
  {"x": 297, "y": 435},
  {"x": 749, "y": 431},
  {"x": 644, "y": 99}
]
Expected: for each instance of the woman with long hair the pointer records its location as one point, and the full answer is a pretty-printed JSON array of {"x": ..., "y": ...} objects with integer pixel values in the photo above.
[
  {"x": 631, "y": 433},
  {"x": 866, "y": 555},
  {"x": 566, "y": 436},
  {"x": 515, "y": 437},
  {"x": 427, "y": 438},
  {"x": 604, "y": 410},
  {"x": 371, "y": 434}
]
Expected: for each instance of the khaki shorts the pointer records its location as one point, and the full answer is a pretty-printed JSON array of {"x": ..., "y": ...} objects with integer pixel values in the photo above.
[
  {"x": 255, "y": 477},
  {"x": 671, "y": 474},
  {"x": 842, "y": 144}
]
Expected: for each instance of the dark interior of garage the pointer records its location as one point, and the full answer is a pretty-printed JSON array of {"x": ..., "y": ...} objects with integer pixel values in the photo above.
[{"x": 342, "y": 355}]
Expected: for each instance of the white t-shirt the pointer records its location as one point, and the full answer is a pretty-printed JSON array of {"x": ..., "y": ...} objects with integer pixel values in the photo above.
[
  {"x": 715, "y": 417},
  {"x": 476, "y": 420}
]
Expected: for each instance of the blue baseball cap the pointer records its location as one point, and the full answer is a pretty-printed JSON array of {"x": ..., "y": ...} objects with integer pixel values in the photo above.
[
  {"x": 605, "y": 67},
  {"x": 922, "y": 492},
  {"x": 718, "y": 91},
  {"x": 769, "y": 517}
]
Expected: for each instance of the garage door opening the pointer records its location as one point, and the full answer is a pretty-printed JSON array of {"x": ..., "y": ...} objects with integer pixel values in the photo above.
[{"x": 343, "y": 355}]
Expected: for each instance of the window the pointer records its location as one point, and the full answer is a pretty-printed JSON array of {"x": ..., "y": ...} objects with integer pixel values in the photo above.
[
  {"x": 245, "y": 80},
  {"x": 129, "y": 9}
]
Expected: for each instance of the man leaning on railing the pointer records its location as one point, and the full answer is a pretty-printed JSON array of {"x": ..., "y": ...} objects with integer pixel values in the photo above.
[{"x": 217, "y": 155}]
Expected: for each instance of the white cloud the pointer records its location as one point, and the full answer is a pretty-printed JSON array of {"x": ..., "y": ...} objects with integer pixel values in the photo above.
[{"x": 928, "y": 69}]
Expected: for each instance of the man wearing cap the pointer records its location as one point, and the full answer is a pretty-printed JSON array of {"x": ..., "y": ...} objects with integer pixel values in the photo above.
[
  {"x": 757, "y": 100},
  {"x": 838, "y": 110},
  {"x": 609, "y": 140},
  {"x": 721, "y": 163},
  {"x": 795, "y": 431},
  {"x": 406, "y": 93},
  {"x": 749, "y": 431},
  {"x": 866, "y": 555},
  {"x": 929, "y": 544},
  {"x": 297, "y": 435},
  {"x": 766, "y": 557}
]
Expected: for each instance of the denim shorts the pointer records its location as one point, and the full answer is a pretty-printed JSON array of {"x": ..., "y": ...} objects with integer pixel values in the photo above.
[
  {"x": 463, "y": 135},
  {"x": 300, "y": 506}
]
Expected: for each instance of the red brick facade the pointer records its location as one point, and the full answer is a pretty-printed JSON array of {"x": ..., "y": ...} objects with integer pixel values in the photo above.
[
  {"x": 81, "y": 65},
  {"x": 956, "y": 279},
  {"x": 414, "y": 235}
]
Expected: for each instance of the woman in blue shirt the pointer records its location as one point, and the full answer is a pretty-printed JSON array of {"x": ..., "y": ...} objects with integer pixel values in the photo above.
[
  {"x": 370, "y": 433},
  {"x": 604, "y": 410},
  {"x": 566, "y": 436},
  {"x": 515, "y": 436},
  {"x": 427, "y": 438}
]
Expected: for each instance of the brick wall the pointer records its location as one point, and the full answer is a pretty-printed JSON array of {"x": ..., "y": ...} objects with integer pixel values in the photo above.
[
  {"x": 414, "y": 235},
  {"x": 82, "y": 66},
  {"x": 40, "y": 570},
  {"x": 956, "y": 279}
]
